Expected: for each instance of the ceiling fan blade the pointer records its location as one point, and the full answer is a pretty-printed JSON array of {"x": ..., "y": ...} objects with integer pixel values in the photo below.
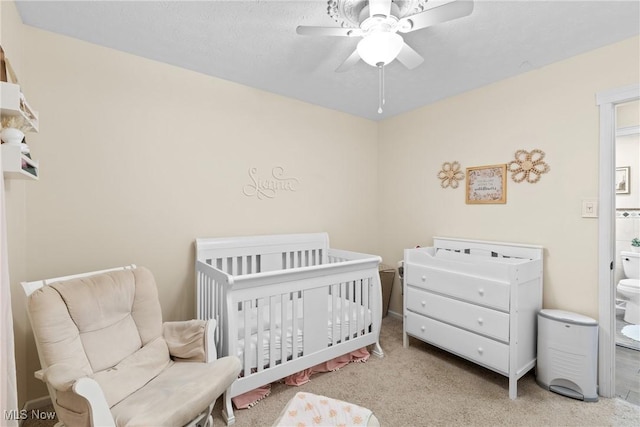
[
  {"x": 349, "y": 62},
  {"x": 328, "y": 31},
  {"x": 436, "y": 15},
  {"x": 409, "y": 57},
  {"x": 379, "y": 7}
]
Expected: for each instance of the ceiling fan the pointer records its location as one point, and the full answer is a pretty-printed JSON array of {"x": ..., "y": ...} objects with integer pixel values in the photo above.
[{"x": 379, "y": 24}]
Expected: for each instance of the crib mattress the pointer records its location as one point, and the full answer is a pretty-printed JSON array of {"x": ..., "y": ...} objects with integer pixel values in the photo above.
[{"x": 347, "y": 317}]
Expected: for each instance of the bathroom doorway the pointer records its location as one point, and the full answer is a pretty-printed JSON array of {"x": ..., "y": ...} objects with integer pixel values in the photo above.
[
  {"x": 608, "y": 103},
  {"x": 627, "y": 227}
]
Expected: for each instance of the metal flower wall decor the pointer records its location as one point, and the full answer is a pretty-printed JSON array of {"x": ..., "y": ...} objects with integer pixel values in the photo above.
[
  {"x": 528, "y": 166},
  {"x": 450, "y": 175}
]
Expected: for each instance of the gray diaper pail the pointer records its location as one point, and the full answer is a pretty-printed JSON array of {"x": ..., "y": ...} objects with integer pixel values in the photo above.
[{"x": 568, "y": 354}]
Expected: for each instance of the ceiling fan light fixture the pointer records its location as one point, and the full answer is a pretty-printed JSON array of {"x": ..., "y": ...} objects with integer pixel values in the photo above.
[{"x": 380, "y": 47}]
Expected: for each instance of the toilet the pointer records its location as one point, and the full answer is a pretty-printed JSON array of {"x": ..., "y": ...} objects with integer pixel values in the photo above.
[{"x": 629, "y": 288}]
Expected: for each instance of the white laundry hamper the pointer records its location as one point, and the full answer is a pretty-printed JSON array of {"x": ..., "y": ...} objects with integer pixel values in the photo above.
[{"x": 567, "y": 361}]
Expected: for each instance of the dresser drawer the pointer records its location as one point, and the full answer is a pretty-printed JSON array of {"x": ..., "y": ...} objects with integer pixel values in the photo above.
[
  {"x": 486, "y": 321},
  {"x": 479, "y": 349},
  {"x": 474, "y": 289}
]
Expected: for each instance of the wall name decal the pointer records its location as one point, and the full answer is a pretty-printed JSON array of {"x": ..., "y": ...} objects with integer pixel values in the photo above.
[{"x": 269, "y": 187}]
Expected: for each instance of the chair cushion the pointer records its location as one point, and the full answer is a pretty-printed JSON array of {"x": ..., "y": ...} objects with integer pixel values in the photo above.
[
  {"x": 115, "y": 313},
  {"x": 108, "y": 325},
  {"x": 57, "y": 336},
  {"x": 177, "y": 395},
  {"x": 133, "y": 371}
]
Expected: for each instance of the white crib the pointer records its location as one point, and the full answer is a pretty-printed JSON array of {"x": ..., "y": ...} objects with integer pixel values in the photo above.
[{"x": 285, "y": 303}]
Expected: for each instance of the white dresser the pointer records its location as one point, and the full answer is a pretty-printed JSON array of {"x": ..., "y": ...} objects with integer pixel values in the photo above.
[{"x": 476, "y": 299}]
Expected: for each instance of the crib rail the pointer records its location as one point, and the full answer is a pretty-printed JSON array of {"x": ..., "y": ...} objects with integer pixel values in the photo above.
[
  {"x": 215, "y": 287},
  {"x": 298, "y": 317},
  {"x": 257, "y": 254}
]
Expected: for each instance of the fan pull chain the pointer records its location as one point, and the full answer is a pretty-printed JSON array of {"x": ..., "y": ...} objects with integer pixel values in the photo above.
[{"x": 381, "y": 99}]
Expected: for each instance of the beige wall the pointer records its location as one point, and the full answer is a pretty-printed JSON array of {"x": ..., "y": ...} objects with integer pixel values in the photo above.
[
  {"x": 552, "y": 109},
  {"x": 15, "y": 192},
  {"x": 139, "y": 158}
]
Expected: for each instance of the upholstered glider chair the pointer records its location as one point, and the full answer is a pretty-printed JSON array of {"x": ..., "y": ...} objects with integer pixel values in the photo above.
[{"x": 109, "y": 360}]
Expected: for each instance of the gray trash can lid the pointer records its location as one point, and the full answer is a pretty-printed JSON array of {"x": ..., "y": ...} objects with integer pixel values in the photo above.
[{"x": 567, "y": 316}]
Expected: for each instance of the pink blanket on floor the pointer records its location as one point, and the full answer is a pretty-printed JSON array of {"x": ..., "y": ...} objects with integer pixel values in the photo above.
[
  {"x": 250, "y": 398},
  {"x": 308, "y": 409}
]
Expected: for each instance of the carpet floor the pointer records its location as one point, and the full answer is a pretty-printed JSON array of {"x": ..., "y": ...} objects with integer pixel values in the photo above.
[{"x": 425, "y": 386}]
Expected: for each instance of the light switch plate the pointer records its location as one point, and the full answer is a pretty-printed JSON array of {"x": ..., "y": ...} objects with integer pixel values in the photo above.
[{"x": 590, "y": 208}]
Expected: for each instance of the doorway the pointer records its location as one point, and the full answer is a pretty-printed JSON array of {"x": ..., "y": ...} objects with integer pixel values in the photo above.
[
  {"x": 607, "y": 102},
  {"x": 627, "y": 226}
]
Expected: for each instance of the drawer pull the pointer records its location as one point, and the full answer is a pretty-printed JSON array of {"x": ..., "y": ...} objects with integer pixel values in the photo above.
[
  {"x": 480, "y": 321},
  {"x": 424, "y": 278},
  {"x": 422, "y": 328},
  {"x": 480, "y": 350},
  {"x": 424, "y": 303},
  {"x": 481, "y": 292}
]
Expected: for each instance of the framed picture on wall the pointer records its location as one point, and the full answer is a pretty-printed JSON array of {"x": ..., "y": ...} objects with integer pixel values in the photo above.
[
  {"x": 487, "y": 184},
  {"x": 622, "y": 180}
]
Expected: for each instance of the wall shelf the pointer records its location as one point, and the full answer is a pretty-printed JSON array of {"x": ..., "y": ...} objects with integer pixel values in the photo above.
[
  {"x": 13, "y": 103},
  {"x": 18, "y": 165},
  {"x": 15, "y": 164}
]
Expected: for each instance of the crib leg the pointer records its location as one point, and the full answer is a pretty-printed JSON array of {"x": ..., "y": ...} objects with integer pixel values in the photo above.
[
  {"x": 377, "y": 350},
  {"x": 227, "y": 410}
]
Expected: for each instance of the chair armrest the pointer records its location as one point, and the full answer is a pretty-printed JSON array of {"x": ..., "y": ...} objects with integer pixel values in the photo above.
[
  {"x": 62, "y": 377},
  {"x": 190, "y": 340},
  {"x": 210, "y": 341},
  {"x": 98, "y": 406}
]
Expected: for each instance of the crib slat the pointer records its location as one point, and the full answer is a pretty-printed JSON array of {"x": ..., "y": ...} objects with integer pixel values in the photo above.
[
  {"x": 294, "y": 324},
  {"x": 367, "y": 304},
  {"x": 335, "y": 315},
  {"x": 343, "y": 295},
  {"x": 283, "y": 327},
  {"x": 357, "y": 322},
  {"x": 272, "y": 333},
  {"x": 201, "y": 297},
  {"x": 219, "y": 295},
  {"x": 247, "y": 338},
  {"x": 260, "y": 335}
]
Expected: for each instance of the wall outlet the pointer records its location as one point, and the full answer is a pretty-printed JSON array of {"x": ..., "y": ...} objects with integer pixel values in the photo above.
[{"x": 589, "y": 208}]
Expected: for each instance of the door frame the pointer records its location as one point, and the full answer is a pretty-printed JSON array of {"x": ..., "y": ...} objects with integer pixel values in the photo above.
[{"x": 607, "y": 102}]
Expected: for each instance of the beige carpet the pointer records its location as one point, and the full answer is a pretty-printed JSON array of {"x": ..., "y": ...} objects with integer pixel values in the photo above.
[{"x": 424, "y": 386}]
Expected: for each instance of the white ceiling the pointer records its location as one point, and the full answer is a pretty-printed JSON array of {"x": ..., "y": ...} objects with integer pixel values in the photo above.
[{"x": 254, "y": 42}]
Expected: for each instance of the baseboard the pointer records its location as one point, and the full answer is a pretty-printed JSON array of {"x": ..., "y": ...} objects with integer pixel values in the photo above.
[
  {"x": 394, "y": 315},
  {"x": 31, "y": 405}
]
